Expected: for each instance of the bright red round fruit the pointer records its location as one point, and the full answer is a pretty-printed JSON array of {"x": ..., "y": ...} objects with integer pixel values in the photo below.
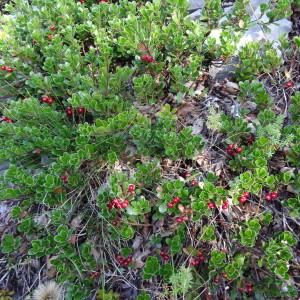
[
  {"x": 3, "y": 68},
  {"x": 37, "y": 151},
  {"x": 81, "y": 110},
  {"x": 239, "y": 150},
  {"x": 170, "y": 205},
  {"x": 211, "y": 205},
  {"x": 179, "y": 220},
  {"x": 246, "y": 194},
  {"x": 176, "y": 200},
  {"x": 289, "y": 84},
  {"x": 268, "y": 197},
  {"x": 9, "y": 70},
  {"x": 50, "y": 100},
  {"x": 243, "y": 199},
  {"x": 274, "y": 195},
  {"x": 194, "y": 182},
  {"x": 52, "y": 28},
  {"x": 69, "y": 110},
  {"x": 131, "y": 188},
  {"x": 225, "y": 204}
]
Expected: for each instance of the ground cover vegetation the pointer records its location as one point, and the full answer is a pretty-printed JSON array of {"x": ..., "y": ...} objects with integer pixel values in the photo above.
[{"x": 132, "y": 174}]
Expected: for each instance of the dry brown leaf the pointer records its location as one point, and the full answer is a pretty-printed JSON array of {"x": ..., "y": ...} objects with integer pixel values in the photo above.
[{"x": 185, "y": 108}]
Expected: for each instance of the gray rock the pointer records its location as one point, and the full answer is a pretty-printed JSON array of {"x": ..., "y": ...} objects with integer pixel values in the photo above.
[
  {"x": 196, "y": 4},
  {"x": 224, "y": 71},
  {"x": 195, "y": 15},
  {"x": 4, "y": 166}
]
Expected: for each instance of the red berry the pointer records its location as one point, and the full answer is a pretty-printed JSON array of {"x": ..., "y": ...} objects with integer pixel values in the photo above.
[
  {"x": 211, "y": 205},
  {"x": 102, "y": 1},
  {"x": 289, "y": 84},
  {"x": 230, "y": 147},
  {"x": 110, "y": 205},
  {"x": 9, "y": 70},
  {"x": 194, "y": 182},
  {"x": 81, "y": 110},
  {"x": 268, "y": 197},
  {"x": 45, "y": 99},
  {"x": 69, "y": 111},
  {"x": 186, "y": 174},
  {"x": 170, "y": 205},
  {"x": 50, "y": 36},
  {"x": 49, "y": 100},
  {"x": 131, "y": 188},
  {"x": 194, "y": 262},
  {"x": 129, "y": 259},
  {"x": 243, "y": 199},
  {"x": 82, "y": 1},
  {"x": 225, "y": 204},
  {"x": 176, "y": 200},
  {"x": 179, "y": 220},
  {"x": 52, "y": 28},
  {"x": 250, "y": 140},
  {"x": 147, "y": 58},
  {"x": 249, "y": 289},
  {"x": 6, "y": 119},
  {"x": 239, "y": 150},
  {"x": 64, "y": 178},
  {"x": 37, "y": 151},
  {"x": 124, "y": 205},
  {"x": 246, "y": 194},
  {"x": 274, "y": 195},
  {"x": 3, "y": 68}
]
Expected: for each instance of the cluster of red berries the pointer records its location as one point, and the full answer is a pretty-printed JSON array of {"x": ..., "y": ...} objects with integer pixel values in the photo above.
[
  {"x": 64, "y": 179},
  {"x": 6, "y": 119},
  {"x": 124, "y": 262},
  {"x": 117, "y": 203},
  {"x": 248, "y": 288},
  {"x": 199, "y": 259},
  {"x": 271, "y": 196},
  {"x": 175, "y": 201},
  {"x": 233, "y": 149},
  {"x": 147, "y": 58},
  {"x": 70, "y": 110},
  {"x": 46, "y": 99},
  {"x": 7, "y": 69},
  {"x": 244, "y": 198},
  {"x": 131, "y": 188},
  {"x": 181, "y": 219},
  {"x": 164, "y": 255}
]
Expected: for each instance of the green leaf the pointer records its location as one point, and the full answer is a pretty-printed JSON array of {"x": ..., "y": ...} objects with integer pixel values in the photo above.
[
  {"x": 10, "y": 243},
  {"x": 151, "y": 267}
]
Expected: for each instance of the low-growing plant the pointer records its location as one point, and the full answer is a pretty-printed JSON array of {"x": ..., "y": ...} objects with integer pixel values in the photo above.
[{"x": 110, "y": 186}]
